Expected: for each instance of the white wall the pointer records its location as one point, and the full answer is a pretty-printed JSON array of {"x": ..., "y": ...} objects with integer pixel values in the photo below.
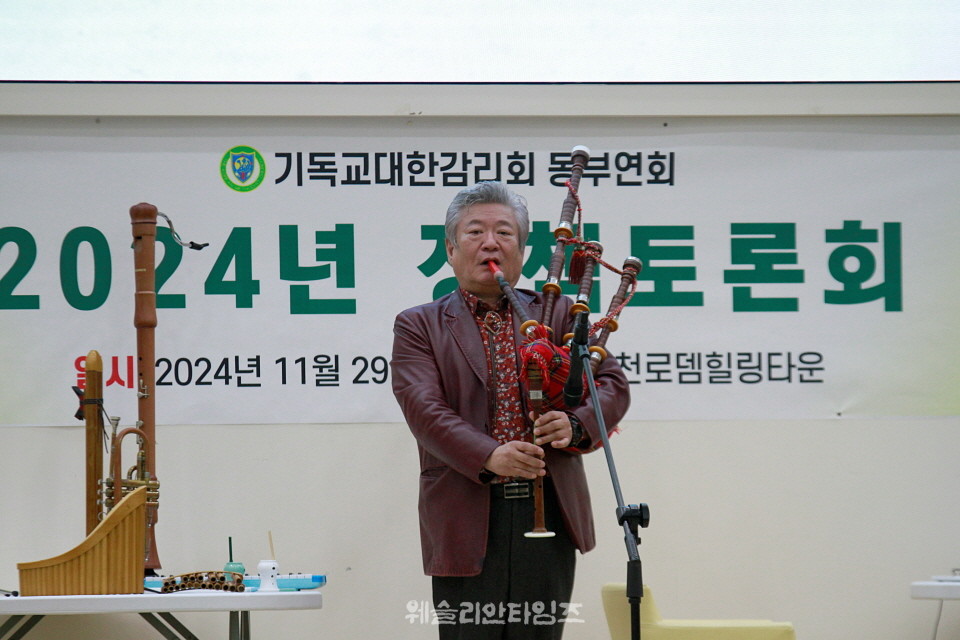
[
  {"x": 480, "y": 41},
  {"x": 820, "y": 523}
]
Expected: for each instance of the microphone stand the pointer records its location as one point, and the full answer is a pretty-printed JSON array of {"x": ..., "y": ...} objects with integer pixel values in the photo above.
[{"x": 630, "y": 517}]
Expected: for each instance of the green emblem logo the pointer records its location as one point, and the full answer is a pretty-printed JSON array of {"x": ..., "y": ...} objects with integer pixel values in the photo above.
[{"x": 243, "y": 168}]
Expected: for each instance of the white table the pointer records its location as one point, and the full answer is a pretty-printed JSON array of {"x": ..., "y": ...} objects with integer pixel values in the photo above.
[
  {"x": 155, "y": 608},
  {"x": 936, "y": 590},
  {"x": 946, "y": 589}
]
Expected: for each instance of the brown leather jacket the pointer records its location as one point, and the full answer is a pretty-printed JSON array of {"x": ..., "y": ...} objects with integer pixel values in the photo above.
[{"x": 439, "y": 372}]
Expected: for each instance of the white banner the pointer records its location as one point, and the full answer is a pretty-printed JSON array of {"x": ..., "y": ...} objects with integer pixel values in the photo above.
[{"x": 794, "y": 268}]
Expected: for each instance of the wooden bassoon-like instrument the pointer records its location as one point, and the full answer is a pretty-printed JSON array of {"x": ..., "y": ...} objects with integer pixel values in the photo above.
[{"x": 143, "y": 218}]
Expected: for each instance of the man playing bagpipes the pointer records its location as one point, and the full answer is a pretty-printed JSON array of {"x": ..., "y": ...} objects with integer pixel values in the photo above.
[{"x": 494, "y": 456}]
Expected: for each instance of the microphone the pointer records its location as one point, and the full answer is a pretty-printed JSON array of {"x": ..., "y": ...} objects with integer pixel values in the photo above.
[{"x": 573, "y": 388}]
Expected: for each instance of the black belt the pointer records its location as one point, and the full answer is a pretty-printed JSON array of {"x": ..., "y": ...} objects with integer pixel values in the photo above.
[{"x": 513, "y": 490}]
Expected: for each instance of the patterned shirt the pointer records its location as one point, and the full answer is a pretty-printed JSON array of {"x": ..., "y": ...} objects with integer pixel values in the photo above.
[{"x": 508, "y": 421}]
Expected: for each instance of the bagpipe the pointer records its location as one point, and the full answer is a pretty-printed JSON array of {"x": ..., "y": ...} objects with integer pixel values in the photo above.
[{"x": 552, "y": 379}]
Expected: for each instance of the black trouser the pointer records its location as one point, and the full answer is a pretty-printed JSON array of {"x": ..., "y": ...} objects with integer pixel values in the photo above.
[{"x": 524, "y": 589}]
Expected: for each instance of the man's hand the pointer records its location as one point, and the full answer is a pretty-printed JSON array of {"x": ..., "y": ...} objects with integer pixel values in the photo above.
[
  {"x": 553, "y": 427},
  {"x": 517, "y": 458}
]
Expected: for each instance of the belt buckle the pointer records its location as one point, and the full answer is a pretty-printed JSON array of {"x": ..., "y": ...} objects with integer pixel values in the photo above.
[{"x": 513, "y": 490}]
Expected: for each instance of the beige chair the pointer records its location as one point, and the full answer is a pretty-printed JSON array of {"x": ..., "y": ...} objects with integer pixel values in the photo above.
[{"x": 653, "y": 627}]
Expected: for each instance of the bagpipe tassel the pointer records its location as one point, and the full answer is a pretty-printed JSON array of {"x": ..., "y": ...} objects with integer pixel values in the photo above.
[{"x": 578, "y": 264}]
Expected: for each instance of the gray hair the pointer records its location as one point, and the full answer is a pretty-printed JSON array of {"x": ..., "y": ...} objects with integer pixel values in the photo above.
[{"x": 491, "y": 192}]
